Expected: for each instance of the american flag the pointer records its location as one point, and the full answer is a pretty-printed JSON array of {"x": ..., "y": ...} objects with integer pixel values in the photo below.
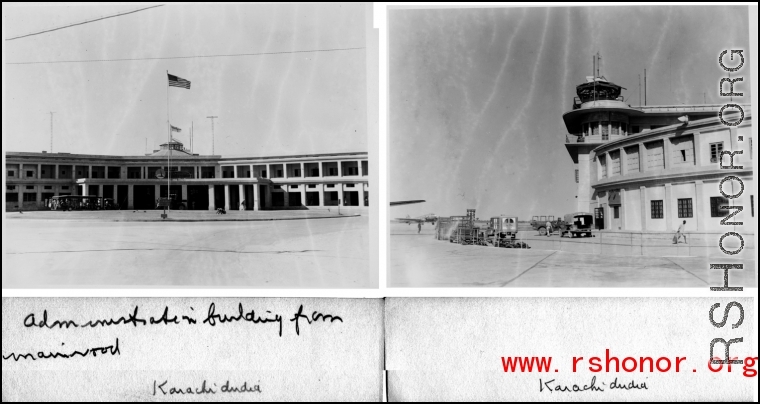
[{"x": 175, "y": 81}]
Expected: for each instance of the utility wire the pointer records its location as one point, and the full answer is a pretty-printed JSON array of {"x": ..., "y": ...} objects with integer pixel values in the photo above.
[
  {"x": 83, "y": 22},
  {"x": 183, "y": 57}
]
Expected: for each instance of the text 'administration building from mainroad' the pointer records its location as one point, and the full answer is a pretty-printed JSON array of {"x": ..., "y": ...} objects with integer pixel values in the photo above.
[
  {"x": 649, "y": 168},
  {"x": 205, "y": 182}
]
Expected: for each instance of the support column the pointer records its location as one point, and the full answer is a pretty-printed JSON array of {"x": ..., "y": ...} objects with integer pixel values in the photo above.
[
  {"x": 643, "y": 198},
  {"x": 38, "y": 190},
  {"x": 321, "y": 190},
  {"x": 241, "y": 196},
  {"x": 256, "y": 196},
  {"x": 85, "y": 189},
  {"x": 183, "y": 195},
  {"x": 303, "y": 190},
  {"x": 360, "y": 170},
  {"x": 622, "y": 209},
  {"x": 340, "y": 170},
  {"x": 623, "y": 156},
  {"x": 56, "y": 171},
  {"x": 286, "y": 198},
  {"x": 39, "y": 171},
  {"x": 74, "y": 172},
  {"x": 666, "y": 150},
  {"x": 100, "y": 190},
  {"x": 698, "y": 155},
  {"x": 361, "y": 192},
  {"x": 211, "y": 198},
  {"x": 269, "y": 171},
  {"x": 285, "y": 170},
  {"x": 303, "y": 171},
  {"x": 698, "y": 205},
  {"x": 340, "y": 193},
  {"x": 226, "y": 197},
  {"x": 252, "y": 175},
  {"x": 667, "y": 208},
  {"x": 268, "y": 197},
  {"x": 130, "y": 196},
  {"x": 234, "y": 171},
  {"x": 116, "y": 193},
  {"x": 642, "y": 157}
]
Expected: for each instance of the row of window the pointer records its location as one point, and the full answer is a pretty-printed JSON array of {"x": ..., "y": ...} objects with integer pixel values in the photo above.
[
  {"x": 136, "y": 173},
  {"x": 605, "y": 128},
  {"x": 685, "y": 208}
]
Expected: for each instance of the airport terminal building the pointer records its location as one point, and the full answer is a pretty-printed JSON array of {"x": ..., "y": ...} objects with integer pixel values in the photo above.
[
  {"x": 317, "y": 181},
  {"x": 649, "y": 168}
]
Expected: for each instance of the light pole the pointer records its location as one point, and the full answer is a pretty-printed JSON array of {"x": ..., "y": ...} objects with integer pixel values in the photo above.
[{"x": 212, "y": 132}]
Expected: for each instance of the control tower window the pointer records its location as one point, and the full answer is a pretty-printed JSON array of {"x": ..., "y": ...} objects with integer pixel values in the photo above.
[
  {"x": 605, "y": 130},
  {"x": 585, "y": 129},
  {"x": 595, "y": 128},
  {"x": 623, "y": 128},
  {"x": 615, "y": 129}
]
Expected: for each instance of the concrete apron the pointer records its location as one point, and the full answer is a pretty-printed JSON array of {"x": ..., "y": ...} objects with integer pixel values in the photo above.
[{"x": 645, "y": 244}]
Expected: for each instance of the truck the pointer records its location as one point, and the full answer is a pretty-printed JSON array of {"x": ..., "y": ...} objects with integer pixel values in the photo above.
[
  {"x": 539, "y": 223},
  {"x": 502, "y": 232},
  {"x": 578, "y": 224}
]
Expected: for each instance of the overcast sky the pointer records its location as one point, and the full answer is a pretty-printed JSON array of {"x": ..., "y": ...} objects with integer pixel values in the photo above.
[
  {"x": 477, "y": 95},
  {"x": 267, "y": 105}
]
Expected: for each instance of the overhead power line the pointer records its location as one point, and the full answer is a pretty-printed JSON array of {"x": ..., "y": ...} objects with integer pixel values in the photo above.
[
  {"x": 183, "y": 57},
  {"x": 83, "y": 22}
]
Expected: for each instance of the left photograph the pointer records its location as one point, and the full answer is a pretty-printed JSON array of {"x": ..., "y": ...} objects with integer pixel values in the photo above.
[{"x": 202, "y": 146}]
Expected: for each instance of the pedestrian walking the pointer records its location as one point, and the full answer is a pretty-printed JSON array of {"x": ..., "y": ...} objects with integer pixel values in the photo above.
[
  {"x": 242, "y": 204},
  {"x": 419, "y": 227},
  {"x": 680, "y": 233},
  {"x": 548, "y": 229}
]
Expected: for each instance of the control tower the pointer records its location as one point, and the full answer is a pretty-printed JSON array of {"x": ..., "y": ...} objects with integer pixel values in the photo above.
[{"x": 599, "y": 115}]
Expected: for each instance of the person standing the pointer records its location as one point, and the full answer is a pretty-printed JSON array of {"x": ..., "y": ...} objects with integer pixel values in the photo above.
[
  {"x": 680, "y": 233},
  {"x": 242, "y": 204},
  {"x": 548, "y": 229},
  {"x": 419, "y": 227}
]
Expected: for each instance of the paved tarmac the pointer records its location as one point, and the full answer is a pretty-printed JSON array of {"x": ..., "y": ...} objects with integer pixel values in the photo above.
[
  {"x": 418, "y": 260},
  {"x": 323, "y": 253}
]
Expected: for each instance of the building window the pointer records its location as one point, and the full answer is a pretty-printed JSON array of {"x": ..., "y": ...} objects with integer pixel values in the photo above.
[
  {"x": 48, "y": 187},
  {"x": 29, "y": 174},
  {"x": 10, "y": 187},
  {"x": 276, "y": 187},
  {"x": 65, "y": 187},
  {"x": 594, "y": 128},
  {"x": 279, "y": 173},
  {"x": 30, "y": 187},
  {"x": 623, "y": 128},
  {"x": 605, "y": 130},
  {"x": 30, "y": 197},
  {"x": 297, "y": 172},
  {"x": 683, "y": 155},
  {"x": 615, "y": 130},
  {"x": 79, "y": 172},
  {"x": 616, "y": 212},
  {"x": 263, "y": 173},
  {"x": 332, "y": 171},
  {"x": 11, "y": 173},
  {"x": 715, "y": 149},
  {"x": 312, "y": 186},
  {"x": 684, "y": 208},
  {"x": 63, "y": 172},
  {"x": 294, "y": 187},
  {"x": 657, "y": 211},
  {"x": 577, "y": 177},
  {"x": 350, "y": 185},
  {"x": 352, "y": 170},
  {"x": 715, "y": 203},
  {"x": 315, "y": 172},
  {"x": 11, "y": 197},
  {"x": 330, "y": 185}
]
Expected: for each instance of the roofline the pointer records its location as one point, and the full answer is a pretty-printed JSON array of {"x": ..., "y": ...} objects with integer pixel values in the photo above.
[{"x": 194, "y": 157}]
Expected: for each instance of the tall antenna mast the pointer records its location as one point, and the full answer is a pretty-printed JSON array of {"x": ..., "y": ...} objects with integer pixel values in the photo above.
[
  {"x": 639, "y": 89},
  {"x": 645, "y": 86},
  {"x": 51, "y": 131},
  {"x": 212, "y": 132}
]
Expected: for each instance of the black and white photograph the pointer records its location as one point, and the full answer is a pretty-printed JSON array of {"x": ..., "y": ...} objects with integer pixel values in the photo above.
[
  {"x": 187, "y": 145},
  {"x": 569, "y": 146}
]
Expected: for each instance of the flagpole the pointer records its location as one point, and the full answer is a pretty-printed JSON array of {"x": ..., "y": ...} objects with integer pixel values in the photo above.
[{"x": 168, "y": 144}]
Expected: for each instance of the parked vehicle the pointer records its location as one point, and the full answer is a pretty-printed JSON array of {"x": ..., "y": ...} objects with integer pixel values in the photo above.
[
  {"x": 539, "y": 223},
  {"x": 578, "y": 224}
]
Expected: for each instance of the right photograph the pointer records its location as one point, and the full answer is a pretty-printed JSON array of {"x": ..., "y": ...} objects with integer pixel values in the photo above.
[{"x": 570, "y": 147}]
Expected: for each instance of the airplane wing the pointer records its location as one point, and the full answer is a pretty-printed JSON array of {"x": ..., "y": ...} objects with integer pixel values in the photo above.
[
  {"x": 409, "y": 220},
  {"x": 405, "y": 202}
]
